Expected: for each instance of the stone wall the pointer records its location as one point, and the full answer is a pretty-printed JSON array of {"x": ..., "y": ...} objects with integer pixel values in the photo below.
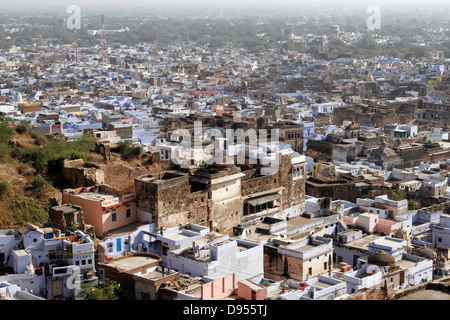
[
  {"x": 171, "y": 201},
  {"x": 339, "y": 189},
  {"x": 77, "y": 173},
  {"x": 320, "y": 150}
]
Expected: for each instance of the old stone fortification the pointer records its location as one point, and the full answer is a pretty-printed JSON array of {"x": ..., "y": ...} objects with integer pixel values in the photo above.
[
  {"x": 77, "y": 173},
  {"x": 116, "y": 178}
]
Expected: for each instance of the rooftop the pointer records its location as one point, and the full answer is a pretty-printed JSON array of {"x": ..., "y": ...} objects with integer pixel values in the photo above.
[{"x": 132, "y": 262}]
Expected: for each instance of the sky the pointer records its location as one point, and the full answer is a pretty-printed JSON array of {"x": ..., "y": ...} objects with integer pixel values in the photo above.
[
  {"x": 258, "y": 3},
  {"x": 232, "y": 8}
]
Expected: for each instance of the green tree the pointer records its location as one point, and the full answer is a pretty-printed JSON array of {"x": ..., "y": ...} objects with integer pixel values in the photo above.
[
  {"x": 103, "y": 290},
  {"x": 128, "y": 151},
  {"x": 400, "y": 195}
]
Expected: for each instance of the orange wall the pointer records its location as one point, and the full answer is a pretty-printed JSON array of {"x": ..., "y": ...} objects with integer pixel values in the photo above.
[
  {"x": 121, "y": 219},
  {"x": 92, "y": 211},
  {"x": 245, "y": 292},
  {"x": 219, "y": 288}
]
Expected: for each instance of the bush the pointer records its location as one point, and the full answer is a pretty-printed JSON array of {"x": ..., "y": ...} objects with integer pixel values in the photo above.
[
  {"x": 35, "y": 156},
  {"x": 39, "y": 186},
  {"x": 21, "y": 128},
  {"x": 25, "y": 210},
  {"x": 4, "y": 187},
  {"x": 52, "y": 154},
  {"x": 104, "y": 290},
  {"x": 5, "y": 135},
  {"x": 128, "y": 151}
]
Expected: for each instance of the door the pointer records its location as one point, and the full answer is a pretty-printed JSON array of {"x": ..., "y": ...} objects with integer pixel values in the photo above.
[
  {"x": 402, "y": 277},
  {"x": 119, "y": 244},
  {"x": 57, "y": 288}
]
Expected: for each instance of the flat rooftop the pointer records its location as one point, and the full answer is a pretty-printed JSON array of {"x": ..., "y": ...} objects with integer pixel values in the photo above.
[
  {"x": 363, "y": 242},
  {"x": 405, "y": 264},
  {"x": 132, "y": 262},
  {"x": 323, "y": 284},
  {"x": 176, "y": 235},
  {"x": 156, "y": 274},
  {"x": 305, "y": 248},
  {"x": 387, "y": 242}
]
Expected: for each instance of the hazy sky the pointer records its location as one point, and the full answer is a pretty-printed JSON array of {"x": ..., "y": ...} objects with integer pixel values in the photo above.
[{"x": 258, "y": 3}]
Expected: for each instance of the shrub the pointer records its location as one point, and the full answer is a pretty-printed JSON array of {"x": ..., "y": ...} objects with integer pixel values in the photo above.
[
  {"x": 103, "y": 290},
  {"x": 21, "y": 128},
  {"x": 4, "y": 187},
  {"x": 5, "y": 135},
  {"x": 128, "y": 151},
  {"x": 35, "y": 156},
  {"x": 52, "y": 154},
  {"x": 39, "y": 185}
]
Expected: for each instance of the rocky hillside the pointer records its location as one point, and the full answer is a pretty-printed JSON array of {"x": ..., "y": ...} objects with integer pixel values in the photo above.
[{"x": 31, "y": 166}]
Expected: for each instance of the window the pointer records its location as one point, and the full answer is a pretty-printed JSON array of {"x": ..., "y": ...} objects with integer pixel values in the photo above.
[
  {"x": 90, "y": 261},
  {"x": 325, "y": 265},
  {"x": 83, "y": 262},
  {"x": 114, "y": 217},
  {"x": 145, "y": 296},
  {"x": 128, "y": 213}
]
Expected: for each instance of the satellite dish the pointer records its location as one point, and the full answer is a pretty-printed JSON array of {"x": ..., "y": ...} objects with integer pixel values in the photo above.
[{"x": 372, "y": 269}]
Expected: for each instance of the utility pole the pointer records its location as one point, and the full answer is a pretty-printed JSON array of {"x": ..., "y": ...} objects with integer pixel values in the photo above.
[
  {"x": 104, "y": 49},
  {"x": 76, "y": 46},
  {"x": 155, "y": 45}
]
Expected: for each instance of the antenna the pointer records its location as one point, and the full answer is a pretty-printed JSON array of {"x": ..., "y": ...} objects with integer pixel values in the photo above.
[
  {"x": 76, "y": 46},
  {"x": 104, "y": 49},
  {"x": 155, "y": 45}
]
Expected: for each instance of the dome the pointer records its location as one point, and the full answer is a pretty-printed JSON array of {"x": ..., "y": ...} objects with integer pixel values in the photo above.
[
  {"x": 381, "y": 259},
  {"x": 425, "y": 253}
]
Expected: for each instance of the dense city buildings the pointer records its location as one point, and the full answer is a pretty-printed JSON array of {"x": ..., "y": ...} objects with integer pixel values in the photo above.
[{"x": 184, "y": 170}]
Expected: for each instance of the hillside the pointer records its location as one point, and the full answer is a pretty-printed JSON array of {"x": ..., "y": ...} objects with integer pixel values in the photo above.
[
  {"x": 27, "y": 186},
  {"x": 31, "y": 165}
]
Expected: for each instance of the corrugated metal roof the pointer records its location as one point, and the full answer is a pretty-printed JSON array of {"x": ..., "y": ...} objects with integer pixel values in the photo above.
[{"x": 264, "y": 199}]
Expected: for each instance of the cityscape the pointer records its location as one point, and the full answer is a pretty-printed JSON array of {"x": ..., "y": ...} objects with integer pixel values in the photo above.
[{"x": 238, "y": 151}]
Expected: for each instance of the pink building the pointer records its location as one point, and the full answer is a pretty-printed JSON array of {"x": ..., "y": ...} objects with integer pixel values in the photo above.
[
  {"x": 219, "y": 289},
  {"x": 249, "y": 290},
  {"x": 104, "y": 211},
  {"x": 372, "y": 223}
]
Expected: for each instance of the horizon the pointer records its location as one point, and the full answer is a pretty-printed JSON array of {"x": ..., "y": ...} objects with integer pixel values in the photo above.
[{"x": 51, "y": 5}]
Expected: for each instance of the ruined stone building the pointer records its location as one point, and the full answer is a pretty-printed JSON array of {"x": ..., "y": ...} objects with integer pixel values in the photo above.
[
  {"x": 65, "y": 216},
  {"x": 298, "y": 259},
  {"x": 221, "y": 196},
  {"x": 385, "y": 157},
  {"x": 204, "y": 197}
]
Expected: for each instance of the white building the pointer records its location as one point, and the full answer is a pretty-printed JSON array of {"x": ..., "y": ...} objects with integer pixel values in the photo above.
[
  {"x": 46, "y": 262},
  {"x": 219, "y": 258}
]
